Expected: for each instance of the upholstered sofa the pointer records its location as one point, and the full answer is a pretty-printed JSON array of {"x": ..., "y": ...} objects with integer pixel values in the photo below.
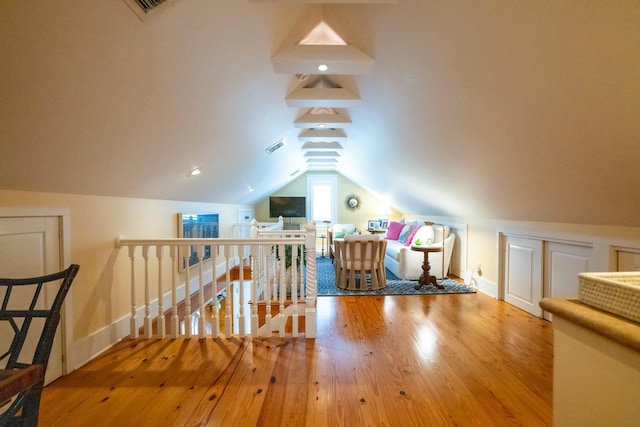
[
  {"x": 407, "y": 264},
  {"x": 339, "y": 231}
]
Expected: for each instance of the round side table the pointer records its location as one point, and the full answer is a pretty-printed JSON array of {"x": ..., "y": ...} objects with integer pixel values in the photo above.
[{"x": 425, "y": 277}]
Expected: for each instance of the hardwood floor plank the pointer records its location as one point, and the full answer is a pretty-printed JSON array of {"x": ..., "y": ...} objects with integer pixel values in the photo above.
[
  {"x": 243, "y": 397},
  {"x": 432, "y": 360}
]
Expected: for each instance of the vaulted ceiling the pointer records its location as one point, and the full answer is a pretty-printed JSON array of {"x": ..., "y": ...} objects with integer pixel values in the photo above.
[{"x": 513, "y": 110}]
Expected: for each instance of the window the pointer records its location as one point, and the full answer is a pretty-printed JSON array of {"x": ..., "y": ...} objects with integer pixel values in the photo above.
[{"x": 322, "y": 198}]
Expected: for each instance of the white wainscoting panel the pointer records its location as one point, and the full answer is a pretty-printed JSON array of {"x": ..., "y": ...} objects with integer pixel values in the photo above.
[{"x": 523, "y": 273}]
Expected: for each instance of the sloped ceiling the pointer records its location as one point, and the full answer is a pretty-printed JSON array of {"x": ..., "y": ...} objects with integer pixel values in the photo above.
[{"x": 489, "y": 109}]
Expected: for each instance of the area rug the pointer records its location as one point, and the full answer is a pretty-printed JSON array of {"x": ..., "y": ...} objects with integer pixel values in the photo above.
[{"x": 395, "y": 286}]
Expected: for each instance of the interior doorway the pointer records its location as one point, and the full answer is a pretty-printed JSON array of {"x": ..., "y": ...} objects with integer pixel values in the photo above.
[{"x": 30, "y": 247}]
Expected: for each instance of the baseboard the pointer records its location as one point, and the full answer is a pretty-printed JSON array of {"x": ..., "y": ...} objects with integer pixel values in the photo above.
[
  {"x": 483, "y": 285},
  {"x": 488, "y": 287}
]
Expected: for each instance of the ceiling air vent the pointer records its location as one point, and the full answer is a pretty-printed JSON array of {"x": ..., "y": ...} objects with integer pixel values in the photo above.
[
  {"x": 147, "y": 5},
  {"x": 275, "y": 147},
  {"x": 143, "y": 7}
]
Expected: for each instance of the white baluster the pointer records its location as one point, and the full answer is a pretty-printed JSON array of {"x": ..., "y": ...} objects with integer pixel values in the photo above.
[
  {"x": 268, "y": 327},
  {"x": 254, "y": 296},
  {"x": 187, "y": 294},
  {"x": 273, "y": 276},
  {"x": 228, "y": 319},
  {"x": 215, "y": 319},
  {"x": 133, "y": 328},
  {"x": 175, "y": 322},
  {"x": 148, "y": 326},
  {"x": 294, "y": 289},
  {"x": 282, "y": 288},
  {"x": 161, "y": 322},
  {"x": 201, "y": 317},
  {"x": 241, "y": 318}
]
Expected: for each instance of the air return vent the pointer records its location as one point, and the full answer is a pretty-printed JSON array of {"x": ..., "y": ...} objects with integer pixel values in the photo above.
[
  {"x": 275, "y": 147},
  {"x": 147, "y": 5},
  {"x": 144, "y": 7}
]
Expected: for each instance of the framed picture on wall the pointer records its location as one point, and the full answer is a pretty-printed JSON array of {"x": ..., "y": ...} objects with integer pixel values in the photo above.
[{"x": 196, "y": 226}]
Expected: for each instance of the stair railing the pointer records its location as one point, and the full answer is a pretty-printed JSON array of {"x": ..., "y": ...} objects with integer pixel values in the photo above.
[{"x": 156, "y": 277}]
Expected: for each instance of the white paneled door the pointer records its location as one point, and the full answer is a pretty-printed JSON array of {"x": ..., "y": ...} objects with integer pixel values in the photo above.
[
  {"x": 30, "y": 247},
  {"x": 523, "y": 273}
]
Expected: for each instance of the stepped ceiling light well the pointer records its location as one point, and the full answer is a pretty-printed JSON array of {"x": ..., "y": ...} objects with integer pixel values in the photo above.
[
  {"x": 322, "y": 93},
  {"x": 322, "y": 51},
  {"x": 313, "y": 61},
  {"x": 324, "y": 145},
  {"x": 322, "y": 154},
  {"x": 320, "y": 135},
  {"x": 321, "y": 160},
  {"x": 323, "y": 117}
]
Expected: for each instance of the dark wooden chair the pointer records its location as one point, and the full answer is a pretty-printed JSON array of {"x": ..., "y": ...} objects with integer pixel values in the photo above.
[{"x": 23, "y": 301}]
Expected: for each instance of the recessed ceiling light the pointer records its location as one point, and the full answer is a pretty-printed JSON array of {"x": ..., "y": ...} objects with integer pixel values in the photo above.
[
  {"x": 195, "y": 172},
  {"x": 321, "y": 125},
  {"x": 323, "y": 67}
]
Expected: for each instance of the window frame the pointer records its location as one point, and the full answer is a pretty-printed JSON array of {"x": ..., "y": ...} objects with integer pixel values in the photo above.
[{"x": 324, "y": 179}]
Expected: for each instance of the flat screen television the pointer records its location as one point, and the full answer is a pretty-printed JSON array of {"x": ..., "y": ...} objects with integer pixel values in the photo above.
[{"x": 287, "y": 207}]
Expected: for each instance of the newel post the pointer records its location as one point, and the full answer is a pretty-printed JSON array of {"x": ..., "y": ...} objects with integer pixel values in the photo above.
[{"x": 253, "y": 229}]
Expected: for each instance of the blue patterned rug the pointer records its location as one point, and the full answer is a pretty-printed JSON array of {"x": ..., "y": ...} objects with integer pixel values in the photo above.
[{"x": 395, "y": 286}]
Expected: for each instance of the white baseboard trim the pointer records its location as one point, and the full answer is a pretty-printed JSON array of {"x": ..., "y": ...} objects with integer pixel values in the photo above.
[
  {"x": 86, "y": 349},
  {"x": 483, "y": 285},
  {"x": 487, "y": 287}
]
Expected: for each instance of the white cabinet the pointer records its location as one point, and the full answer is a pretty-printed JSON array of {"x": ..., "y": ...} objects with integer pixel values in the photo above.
[
  {"x": 562, "y": 263},
  {"x": 533, "y": 268},
  {"x": 628, "y": 260},
  {"x": 523, "y": 273}
]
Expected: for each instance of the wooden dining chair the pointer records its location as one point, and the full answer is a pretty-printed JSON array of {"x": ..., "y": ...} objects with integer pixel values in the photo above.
[
  {"x": 359, "y": 263},
  {"x": 27, "y": 317}
]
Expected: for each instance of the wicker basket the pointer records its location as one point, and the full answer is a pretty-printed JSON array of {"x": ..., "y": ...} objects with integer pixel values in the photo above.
[{"x": 617, "y": 293}]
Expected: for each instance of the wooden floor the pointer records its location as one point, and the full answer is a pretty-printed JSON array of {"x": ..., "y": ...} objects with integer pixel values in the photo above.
[{"x": 431, "y": 360}]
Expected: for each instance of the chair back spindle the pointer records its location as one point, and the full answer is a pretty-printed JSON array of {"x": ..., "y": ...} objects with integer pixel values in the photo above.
[{"x": 359, "y": 262}]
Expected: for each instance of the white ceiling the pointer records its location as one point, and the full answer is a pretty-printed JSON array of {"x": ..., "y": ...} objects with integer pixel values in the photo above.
[{"x": 513, "y": 110}]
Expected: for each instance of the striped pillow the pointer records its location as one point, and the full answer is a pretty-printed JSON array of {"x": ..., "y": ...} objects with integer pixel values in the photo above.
[{"x": 407, "y": 232}]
